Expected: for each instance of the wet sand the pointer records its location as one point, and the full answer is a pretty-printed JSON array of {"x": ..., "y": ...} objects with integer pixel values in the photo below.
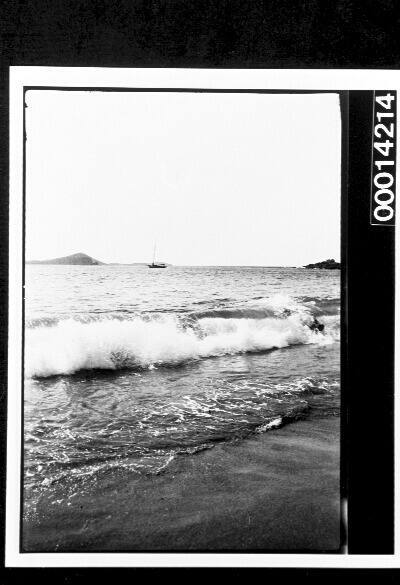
[{"x": 277, "y": 491}]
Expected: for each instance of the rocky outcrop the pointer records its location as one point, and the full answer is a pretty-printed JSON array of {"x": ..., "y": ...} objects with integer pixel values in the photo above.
[{"x": 325, "y": 264}]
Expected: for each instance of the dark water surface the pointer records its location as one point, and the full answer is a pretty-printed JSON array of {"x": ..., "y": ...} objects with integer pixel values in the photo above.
[{"x": 130, "y": 368}]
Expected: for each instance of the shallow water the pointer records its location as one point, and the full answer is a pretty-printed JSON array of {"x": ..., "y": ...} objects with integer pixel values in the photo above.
[{"x": 129, "y": 368}]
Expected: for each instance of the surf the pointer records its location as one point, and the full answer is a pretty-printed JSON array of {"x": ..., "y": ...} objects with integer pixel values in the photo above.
[{"x": 145, "y": 342}]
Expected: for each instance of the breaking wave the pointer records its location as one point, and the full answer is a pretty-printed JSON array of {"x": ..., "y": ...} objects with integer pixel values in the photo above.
[{"x": 66, "y": 346}]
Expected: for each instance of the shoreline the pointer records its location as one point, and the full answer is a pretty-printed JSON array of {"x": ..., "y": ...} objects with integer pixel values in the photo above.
[{"x": 275, "y": 492}]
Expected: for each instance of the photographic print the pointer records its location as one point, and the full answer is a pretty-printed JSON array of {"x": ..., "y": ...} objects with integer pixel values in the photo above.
[
  {"x": 182, "y": 321},
  {"x": 191, "y": 377}
]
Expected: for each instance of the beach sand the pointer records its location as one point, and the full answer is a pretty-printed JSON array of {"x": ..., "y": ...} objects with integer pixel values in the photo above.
[{"x": 276, "y": 491}]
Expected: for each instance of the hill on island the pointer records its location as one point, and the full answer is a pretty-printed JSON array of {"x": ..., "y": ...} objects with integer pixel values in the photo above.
[
  {"x": 330, "y": 264},
  {"x": 79, "y": 259}
]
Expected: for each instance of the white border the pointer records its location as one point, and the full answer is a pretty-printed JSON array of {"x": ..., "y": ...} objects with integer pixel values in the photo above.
[{"x": 298, "y": 79}]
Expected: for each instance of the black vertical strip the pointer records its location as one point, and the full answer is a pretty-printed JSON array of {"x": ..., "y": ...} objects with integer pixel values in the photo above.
[
  {"x": 4, "y": 177},
  {"x": 370, "y": 355},
  {"x": 344, "y": 112}
]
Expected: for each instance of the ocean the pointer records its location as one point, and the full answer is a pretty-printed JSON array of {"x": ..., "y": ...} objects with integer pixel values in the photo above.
[{"x": 129, "y": 369}]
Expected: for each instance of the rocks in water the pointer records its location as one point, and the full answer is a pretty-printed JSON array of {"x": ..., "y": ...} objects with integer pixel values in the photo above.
[
  {"x": 330, "y": 264},
  {"x": 316, "y": 326}
]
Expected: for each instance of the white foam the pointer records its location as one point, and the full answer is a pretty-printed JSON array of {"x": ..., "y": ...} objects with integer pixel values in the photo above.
[
  {"x": 273, "y": 424},
  {"x": 112, "y": 344}
]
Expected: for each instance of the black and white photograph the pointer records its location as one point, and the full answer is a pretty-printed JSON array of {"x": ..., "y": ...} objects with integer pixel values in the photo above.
[
  {"x": 199, "y": 333},
  {"x": 201, "y": 323},
  {"x": 182, "y": 321}
]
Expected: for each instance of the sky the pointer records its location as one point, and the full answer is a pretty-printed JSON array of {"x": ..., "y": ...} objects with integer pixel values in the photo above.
[{"x": 212, "y": 179}]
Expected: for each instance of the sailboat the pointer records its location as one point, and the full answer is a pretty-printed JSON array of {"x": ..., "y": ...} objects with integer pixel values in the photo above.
[{"x": 155, "y": 264}]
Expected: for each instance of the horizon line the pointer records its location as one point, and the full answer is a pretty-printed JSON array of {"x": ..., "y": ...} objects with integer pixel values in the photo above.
[
  {"x": 171, "y": 265},
  {"x": 141, "y": 263}
]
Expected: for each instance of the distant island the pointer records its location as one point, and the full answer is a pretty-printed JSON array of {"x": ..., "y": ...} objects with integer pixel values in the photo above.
[
  {"x": 81, "y": 259},
  {"x": 330, "y": 264},
  {"x": 74, "y": 259}
]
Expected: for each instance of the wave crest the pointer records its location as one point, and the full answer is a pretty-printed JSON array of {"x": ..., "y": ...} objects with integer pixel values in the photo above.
[{"x": 143, "y": 343}]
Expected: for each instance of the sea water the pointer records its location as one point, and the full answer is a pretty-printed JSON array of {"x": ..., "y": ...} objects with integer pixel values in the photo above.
[{"x": 130, "y": 368}]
